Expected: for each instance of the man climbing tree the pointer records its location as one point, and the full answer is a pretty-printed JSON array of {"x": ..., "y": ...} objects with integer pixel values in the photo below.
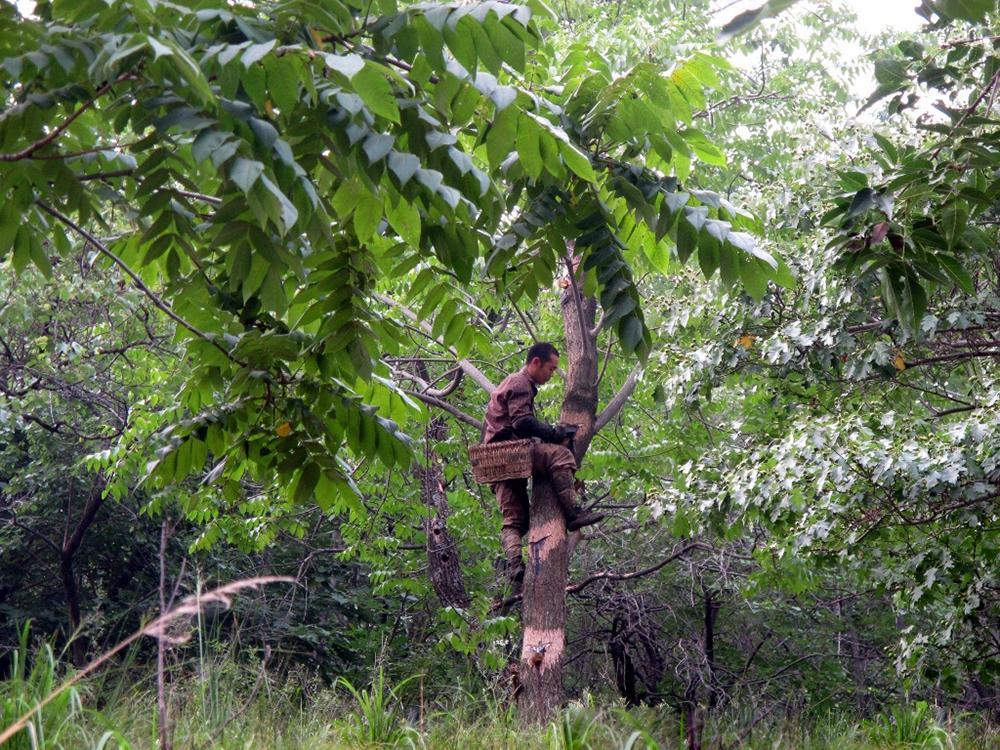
[{"x": 510, "y": 415}]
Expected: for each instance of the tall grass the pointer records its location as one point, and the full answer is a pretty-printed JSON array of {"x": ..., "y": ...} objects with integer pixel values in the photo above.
[
  {"x": 63, "y": 722},
  {"x": 221, "y": 703}
]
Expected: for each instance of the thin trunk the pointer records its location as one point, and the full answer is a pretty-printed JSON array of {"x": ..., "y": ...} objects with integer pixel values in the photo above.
[
  {"x": 693, "y": 718},
  {"x": 78, "y": 647},
  {"x": 580, "y": 402},
  {"x": 622, "y": 663},
  {"x": 711, "y": 613},
  {"x": 543, "y": 615},
  {"x": 70, "y": 546},
  {"x": 443, "y": 562},
  {"x": 163, "y": 715}
]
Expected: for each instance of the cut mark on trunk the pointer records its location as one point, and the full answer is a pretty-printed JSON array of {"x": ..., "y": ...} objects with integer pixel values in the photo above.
[
  {"x": 536, "y": 549},
  {"x": 543, "y": 649},
  {"x": 554, "y": 528}
]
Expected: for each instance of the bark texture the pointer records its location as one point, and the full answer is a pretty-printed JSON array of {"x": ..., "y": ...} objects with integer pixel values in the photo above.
[
  {"x": 442, "y": 552},
  {"x": 580, "y": 358},
  {"x": 543, "y": 614}
]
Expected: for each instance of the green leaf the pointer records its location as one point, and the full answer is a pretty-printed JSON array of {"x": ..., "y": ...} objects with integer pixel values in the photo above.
[
  {"x": 462, "y": 45},
  {"x": 376, "y": 92},
  {"x": 954, "y": 219},
  {"x": 367, "y": 215},
  {"x": 630, "y": 333},
  {"x": 308, "y": 478},
  {"x": 347, "y": 197},
  {"x": 687, "y": 239},
  {"x": 191, "y": 72},
  {"x": 529, "y": 150},
  {"x": 282, "y": 82},
  {"x": 709, "y": 254},
  {"x": 377, "y": 146},
  {"x": 748, "y": 19},
  {"x": 256, "y": 52},
  {"x": 501, "y": 136},
  {"x": 289, "y": 214},
  {"x": 754, "y": 278},
  {"x": 38, "y": 255},
  {"x": 864, "y": 199},
  {"x": 577, "y": 161},
  {"x": 404, "y": 166},
  {"x": 404, "y": 217},
  {"x": 965, "y": 10},
  {"x": 703, "y": 148},
  {"x": 244, "y": 172},
  {"x": 22, "y": 249},
  {"x": 956, "y": 271},
  {"x": 207, "y": 142},
  {"x": 347, "y": 65}
]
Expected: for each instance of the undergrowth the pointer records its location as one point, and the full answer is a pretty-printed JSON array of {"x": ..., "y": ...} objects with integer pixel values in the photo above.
[{"x": 221, "y": 703}]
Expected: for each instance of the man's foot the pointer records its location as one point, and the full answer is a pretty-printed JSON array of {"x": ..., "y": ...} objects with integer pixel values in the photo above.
[{"x": 577, "y": 518}]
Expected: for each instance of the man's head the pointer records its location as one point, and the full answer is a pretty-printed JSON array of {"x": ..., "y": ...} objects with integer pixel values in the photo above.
[{"x": 541, "y": 362}]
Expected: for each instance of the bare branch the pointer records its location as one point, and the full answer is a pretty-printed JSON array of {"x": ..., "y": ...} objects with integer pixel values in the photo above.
[
  {"x": 138, "y": 282},
  {"x": 609, "y": 575},
  {"x": 457, "y": 413},
  {"x": 470, "y": 369},
  {"x": 27, "y": 152},
  {"x": 449, "y": 389},
  {"x": 615, "y": 405}
]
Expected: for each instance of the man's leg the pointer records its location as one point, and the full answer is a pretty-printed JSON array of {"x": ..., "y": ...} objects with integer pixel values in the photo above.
[
  {"x": 559, "y": 463},
  {"x": 512, "y": 496}
]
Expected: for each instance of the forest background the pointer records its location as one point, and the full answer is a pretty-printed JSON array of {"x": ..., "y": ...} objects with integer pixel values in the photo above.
[{"x": 261, "y": 263}]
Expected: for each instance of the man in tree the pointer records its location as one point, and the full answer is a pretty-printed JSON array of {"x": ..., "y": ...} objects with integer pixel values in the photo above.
[{"x": 510, "y": 415}]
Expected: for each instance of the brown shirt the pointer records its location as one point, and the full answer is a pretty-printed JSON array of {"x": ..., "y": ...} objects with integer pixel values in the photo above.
[{"x": 513, "y": 399}]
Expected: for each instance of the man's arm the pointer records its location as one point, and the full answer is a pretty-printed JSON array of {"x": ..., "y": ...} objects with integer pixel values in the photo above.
[{"x": 525, "y": 424}]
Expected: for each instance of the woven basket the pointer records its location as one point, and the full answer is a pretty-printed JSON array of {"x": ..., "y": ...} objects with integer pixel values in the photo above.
[{"x": 498, "y": 462}]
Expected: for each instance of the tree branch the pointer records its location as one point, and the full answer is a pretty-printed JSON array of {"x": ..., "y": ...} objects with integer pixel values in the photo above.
[
  {"x": 457, "y": 413},
  {"x": 140, "y": 285},
  {"x": 588, "y": 340},
  {"x": 609, "y": 575},
  {"x": 470, "y": 369},
  {"x": 615, "y": 405},
  {"x": 26, "y": 153},
  {"x": 449, "y": 389},
  {"x": 37, "y": 534}
]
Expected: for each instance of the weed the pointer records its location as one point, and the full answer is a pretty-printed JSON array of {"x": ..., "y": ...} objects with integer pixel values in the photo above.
[{"x": 377, "y": 720}]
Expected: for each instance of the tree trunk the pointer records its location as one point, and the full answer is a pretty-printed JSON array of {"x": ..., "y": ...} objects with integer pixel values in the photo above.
[
  {"x": 442, "y": 551},
  {"x": 580, "y": 402},
  {"x": 78, "y": 647},
  {"x": 163, "y": 729},
  {"x": 70, "y": 546},
  {"x": 711, "y": 613},
  {"x": 543, "y": 614},
  {"x": 693, "y": 718}
]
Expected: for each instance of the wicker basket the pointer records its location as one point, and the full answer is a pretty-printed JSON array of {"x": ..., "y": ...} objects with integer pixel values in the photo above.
[{"x": 498, "y": 462}]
